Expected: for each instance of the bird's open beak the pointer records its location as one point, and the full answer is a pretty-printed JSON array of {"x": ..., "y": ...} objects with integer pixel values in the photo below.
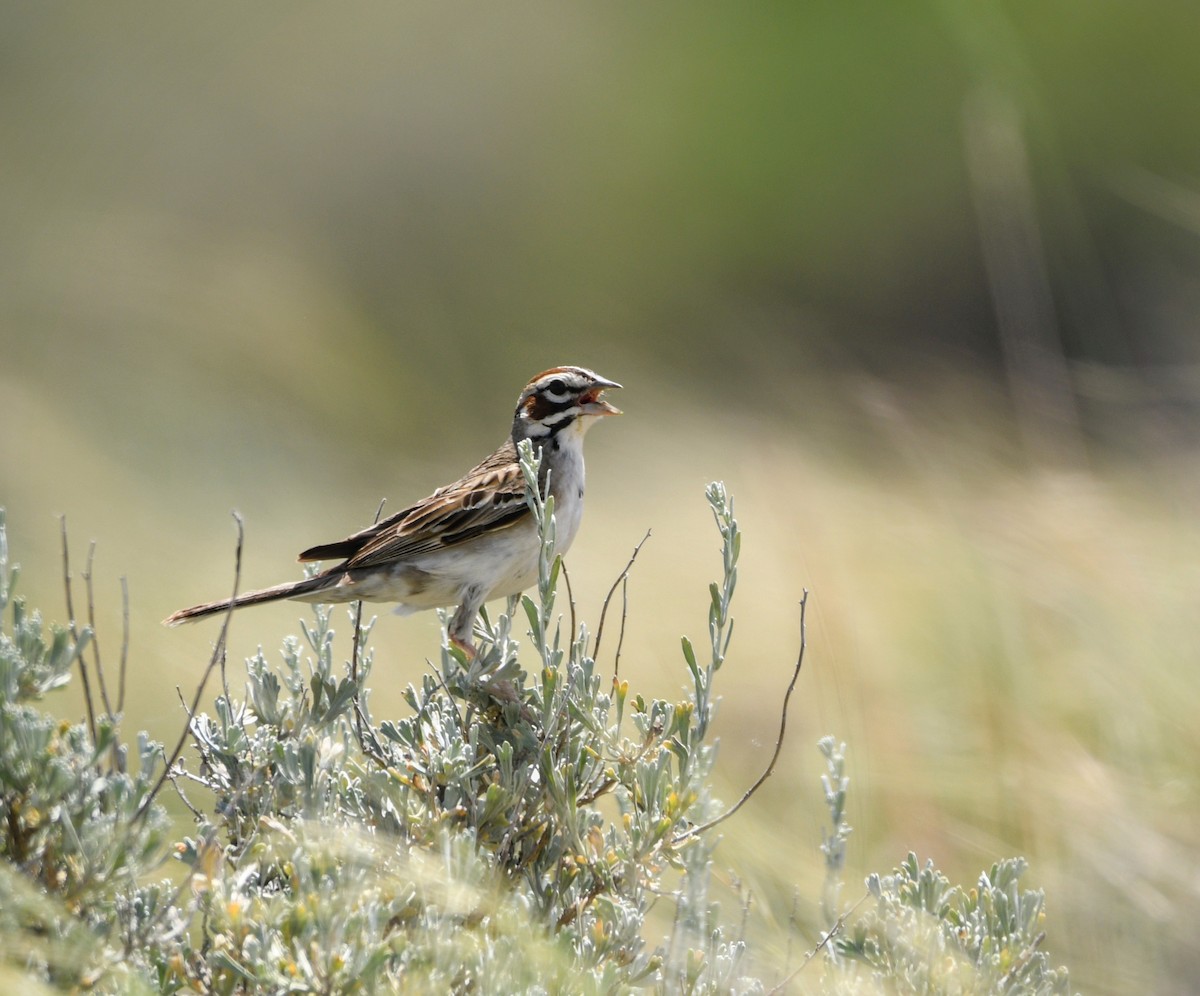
[{"x": 594, "y": 404}]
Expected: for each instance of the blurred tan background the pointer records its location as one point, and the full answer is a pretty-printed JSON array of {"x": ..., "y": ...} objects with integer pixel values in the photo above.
[{"x": 919, "y": 283}]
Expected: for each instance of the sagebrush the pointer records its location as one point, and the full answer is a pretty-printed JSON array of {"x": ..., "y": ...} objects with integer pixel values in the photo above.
[{"x": 510, "y": 833}]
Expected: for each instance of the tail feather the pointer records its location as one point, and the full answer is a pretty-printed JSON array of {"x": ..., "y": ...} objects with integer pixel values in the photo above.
[{"x": 290, "y": 589}]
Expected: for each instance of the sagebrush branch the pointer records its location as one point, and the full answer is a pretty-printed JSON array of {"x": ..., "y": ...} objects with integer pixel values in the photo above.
[
  {"x": 770, "y": 769},
  {"x": 218, "y": 656}
]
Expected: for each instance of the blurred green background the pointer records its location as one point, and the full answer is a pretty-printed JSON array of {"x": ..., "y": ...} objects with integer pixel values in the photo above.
[{"x": 919, "y": 282}]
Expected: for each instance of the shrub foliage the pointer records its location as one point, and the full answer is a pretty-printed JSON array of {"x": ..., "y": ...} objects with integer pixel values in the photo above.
[{"x": 510, "y": 833}]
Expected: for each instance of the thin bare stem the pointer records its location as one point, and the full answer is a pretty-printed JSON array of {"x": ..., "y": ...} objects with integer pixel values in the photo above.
[
  {"x": 196, "y": 814},
  {"x": 570, "y": 597},
  {"x": 793, "y": 920},
  {"x": 552, "y": 722},
  {"x": 356, "y": 649},
  {"x": 605, "y": 786},
  {"x": 370, "y": 749},
  {"x": 825, "y": 939},
  {"x": 218, "y": 655},
  {"x": 182, "y": 700},
  {"x": 612, "y": 591},
  {"x": 91, "y": 610},
  {"x": 174, "y": 776},
  {"x": 83, "y": 673},
  {"x": 354, "y": 652},
  {"x": 210, "y": 835},
  {"x": 621, "y": 631},
  {"x": 124, "y": 643},
  {"x": 1023, "y": 960},
  {"x": 701, "y": 828},
  {"x": 225, "y": 681},
  {"x": 573, "y": 911}
]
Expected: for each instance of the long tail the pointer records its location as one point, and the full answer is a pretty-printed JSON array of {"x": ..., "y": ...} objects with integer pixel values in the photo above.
[{"x": 291, "y": 589}]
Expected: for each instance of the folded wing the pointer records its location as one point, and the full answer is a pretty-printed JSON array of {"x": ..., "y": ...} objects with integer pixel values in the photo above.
[{"x": 490, "y": 497}]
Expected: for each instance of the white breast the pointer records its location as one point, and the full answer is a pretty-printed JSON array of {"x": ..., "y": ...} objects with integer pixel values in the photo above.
[
  {"x": 566, "y": 485},
  {"x": 501, "y": 563}
]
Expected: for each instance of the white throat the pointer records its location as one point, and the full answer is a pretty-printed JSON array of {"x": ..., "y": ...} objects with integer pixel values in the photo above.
[{"x": 563, "y": 457}]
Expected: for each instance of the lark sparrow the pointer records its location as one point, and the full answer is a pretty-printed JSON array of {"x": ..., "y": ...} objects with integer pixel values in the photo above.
[{"x": 470, "y": 541}]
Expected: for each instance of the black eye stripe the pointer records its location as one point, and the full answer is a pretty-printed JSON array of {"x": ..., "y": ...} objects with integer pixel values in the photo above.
[{"x": 541, "y": 406}]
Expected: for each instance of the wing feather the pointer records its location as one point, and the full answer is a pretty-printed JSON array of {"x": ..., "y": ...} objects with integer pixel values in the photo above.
[{"x": 490, "y": 496}]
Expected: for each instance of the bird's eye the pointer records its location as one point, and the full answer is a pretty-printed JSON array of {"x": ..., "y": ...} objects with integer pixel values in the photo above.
[{"x": 556, "y": 386}]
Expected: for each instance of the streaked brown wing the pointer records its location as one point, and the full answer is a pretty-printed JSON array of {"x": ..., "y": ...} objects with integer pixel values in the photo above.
[
  {"x": 490, "y": 496},
  {"x": 348, "y": 547}
]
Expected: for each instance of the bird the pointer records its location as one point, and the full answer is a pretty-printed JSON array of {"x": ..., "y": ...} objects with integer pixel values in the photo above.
[{"x": 470, "y": 541}]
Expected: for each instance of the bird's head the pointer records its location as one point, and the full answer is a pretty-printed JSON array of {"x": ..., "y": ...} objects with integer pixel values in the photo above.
[{"x": 562, "y": 398}]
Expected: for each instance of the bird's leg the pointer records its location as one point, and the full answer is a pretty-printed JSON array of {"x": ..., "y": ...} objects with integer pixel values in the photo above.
[
  {"x": 462, "y": 623},
  {"x": 461, "y": 628}
]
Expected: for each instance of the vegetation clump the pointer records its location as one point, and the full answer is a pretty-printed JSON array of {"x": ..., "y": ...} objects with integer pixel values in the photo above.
[{"x": 510, "y": 833}]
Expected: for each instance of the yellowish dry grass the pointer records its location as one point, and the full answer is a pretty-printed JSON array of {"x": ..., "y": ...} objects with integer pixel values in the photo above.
[{"x": 1010, "y": 654}]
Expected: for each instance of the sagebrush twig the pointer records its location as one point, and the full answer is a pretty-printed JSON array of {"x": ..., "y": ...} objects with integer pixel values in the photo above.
[
  {"x": 218, "y": 655},
  {"x": 825, "y": 939},
  {"x": 91, "y": 610},
  {"x": 621, "y": 631},
  {"x": 770, "y": 769},
  {"x": 562, "y": 565},
  {"x": 83, "y": 673},
  {"x": 611, "y": 591},
  {"x": 124, "y": 643},
  {"x": 355, "y": 650}
]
